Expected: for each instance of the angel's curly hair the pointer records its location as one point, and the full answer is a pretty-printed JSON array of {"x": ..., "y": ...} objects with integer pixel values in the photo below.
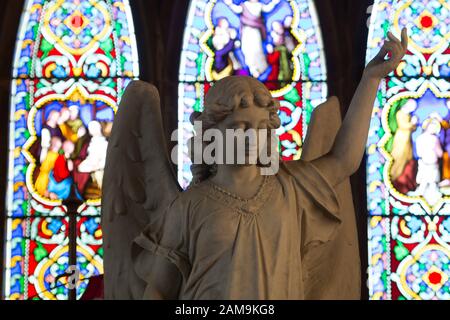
[{"x": 221, "y": 100}]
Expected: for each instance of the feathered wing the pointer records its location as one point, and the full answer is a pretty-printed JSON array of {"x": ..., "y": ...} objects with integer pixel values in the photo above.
[
  {"x": 138, "y": 185},
  {"x": 340, "y": 277},
  {"x": 322, "y": 129}
]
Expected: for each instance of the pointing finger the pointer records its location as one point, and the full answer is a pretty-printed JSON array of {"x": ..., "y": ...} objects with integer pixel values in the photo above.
[
  {"x": 393, "y": 38},
  {"x": 405, "y": 39}
]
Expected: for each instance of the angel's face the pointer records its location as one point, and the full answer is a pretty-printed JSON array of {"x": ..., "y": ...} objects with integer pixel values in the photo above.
[{"x": 249, "y": 124}]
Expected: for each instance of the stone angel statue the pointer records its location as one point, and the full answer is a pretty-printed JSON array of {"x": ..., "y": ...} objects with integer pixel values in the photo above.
[{"x": 235, "y": 233}]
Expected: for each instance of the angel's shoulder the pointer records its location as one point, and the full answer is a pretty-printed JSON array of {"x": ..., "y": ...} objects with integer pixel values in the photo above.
[
  {"x": 189, "y": 197},
  {"x": 300, "y": 170},
  {"x": 305, "y": 175},
  {"x": 290, "y": 170}
]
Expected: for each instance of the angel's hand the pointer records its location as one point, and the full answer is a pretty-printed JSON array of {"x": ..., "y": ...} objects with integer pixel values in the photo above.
[{"x": 380, "y": 67}]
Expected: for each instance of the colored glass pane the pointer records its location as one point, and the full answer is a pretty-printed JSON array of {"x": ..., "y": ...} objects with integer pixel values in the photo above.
[
  {"x": 408, "y": 167},
  {"x": 73, "y": 60},
  {"x": 277, "y": 42}
]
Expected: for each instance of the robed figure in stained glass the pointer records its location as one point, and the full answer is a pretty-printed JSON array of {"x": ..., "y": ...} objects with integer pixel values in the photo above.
[{"x": 235, "y": 233}]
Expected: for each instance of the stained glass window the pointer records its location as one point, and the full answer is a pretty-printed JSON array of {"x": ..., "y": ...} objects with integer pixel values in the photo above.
[
  {"x": 276, "y": 41},
  {"x": 408, "y": 169},
  {"x": 72, "y": 62}
]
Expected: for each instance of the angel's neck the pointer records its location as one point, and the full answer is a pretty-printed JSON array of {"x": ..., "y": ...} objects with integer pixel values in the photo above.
[{"x": 237, "y": 178}]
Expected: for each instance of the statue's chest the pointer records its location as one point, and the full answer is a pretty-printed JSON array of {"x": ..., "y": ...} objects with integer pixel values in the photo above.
[{"x": 225, "y": 223}]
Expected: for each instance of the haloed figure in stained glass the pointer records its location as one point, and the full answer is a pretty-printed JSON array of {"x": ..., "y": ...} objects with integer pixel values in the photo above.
[
  {"x": 429, "y": 152},
  {"x": 252, "y": 38}
]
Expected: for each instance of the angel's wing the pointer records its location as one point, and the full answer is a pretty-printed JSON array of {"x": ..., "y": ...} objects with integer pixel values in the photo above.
[
  {"x": 322, "y": 129},
  {"x": 138, "y": 186},
  {"x": 340, "y": 277}
]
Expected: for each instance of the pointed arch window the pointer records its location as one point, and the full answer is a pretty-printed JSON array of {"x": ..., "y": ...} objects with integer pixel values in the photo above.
[
  {"x": 408, "y": 167},
  {"x": 278, "y": 42},
  {"x": 72, "y": 62}
]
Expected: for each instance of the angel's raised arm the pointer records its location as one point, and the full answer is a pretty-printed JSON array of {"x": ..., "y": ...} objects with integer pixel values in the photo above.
[{"x": 348, "y": 149}]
